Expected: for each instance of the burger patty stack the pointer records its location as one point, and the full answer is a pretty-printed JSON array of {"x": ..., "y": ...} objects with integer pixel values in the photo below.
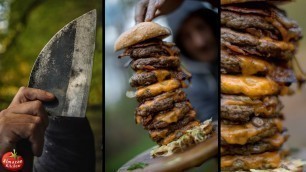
[
  {"x": 163, "y": 109},
  {"x": 258, "y": 43}
]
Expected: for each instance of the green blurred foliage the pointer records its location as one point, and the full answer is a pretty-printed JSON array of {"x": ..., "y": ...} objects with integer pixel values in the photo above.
[{"x": 32, "y": 23}]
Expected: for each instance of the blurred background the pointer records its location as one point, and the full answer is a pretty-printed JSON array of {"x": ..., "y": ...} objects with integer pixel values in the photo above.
[
  {"x": 295, "y": 105},
  {"x": 25, "y": 27},
  {"x": 125, "y": 139}
]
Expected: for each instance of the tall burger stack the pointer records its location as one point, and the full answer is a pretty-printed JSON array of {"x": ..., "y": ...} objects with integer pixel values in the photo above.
[
  {"x": 163, "y": 109},
  {"x": 258, "y": 43}
]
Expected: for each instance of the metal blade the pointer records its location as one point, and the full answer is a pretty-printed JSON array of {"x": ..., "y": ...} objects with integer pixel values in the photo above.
[{"x": 64, "y": 67}]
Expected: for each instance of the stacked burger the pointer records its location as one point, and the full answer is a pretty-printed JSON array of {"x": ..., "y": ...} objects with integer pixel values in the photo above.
[
  {"x": 163, "y": 109},
  {"x": 258, "y": 43}
]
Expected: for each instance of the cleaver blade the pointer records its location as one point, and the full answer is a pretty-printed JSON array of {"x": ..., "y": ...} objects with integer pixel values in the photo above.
[{"x": 64, "y": 67}]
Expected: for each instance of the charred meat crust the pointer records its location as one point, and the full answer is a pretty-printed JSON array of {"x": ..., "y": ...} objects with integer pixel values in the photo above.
[
  {"x": 175, "y": 131},
  {"x": 255, "y": 148},
  {"x": 267, "y": 126},
  {"x": 180, "y": 109},
  {"x": 277, "y": 71},
  {"x": 247, "y": 44},
  {"x": 161, "y": 103},
  {"x": 151, "y": 48},
  {"x": 263, "y": 20},
  {"x": 242, "y": 108},
  {"x": 146, "y": 78},
  {"x": 163, "y": 62}
]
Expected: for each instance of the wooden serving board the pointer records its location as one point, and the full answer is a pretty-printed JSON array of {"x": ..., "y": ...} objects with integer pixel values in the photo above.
[{"x": 192, "y": 157}]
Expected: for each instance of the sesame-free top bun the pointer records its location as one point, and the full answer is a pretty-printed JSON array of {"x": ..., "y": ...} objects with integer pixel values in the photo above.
[
  {"x": 224, "y": 2},
  {"x": 140, "y": 32}
]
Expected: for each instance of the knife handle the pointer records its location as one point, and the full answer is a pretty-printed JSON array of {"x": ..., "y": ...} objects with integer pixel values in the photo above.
[{"x": 24, "y": 149}]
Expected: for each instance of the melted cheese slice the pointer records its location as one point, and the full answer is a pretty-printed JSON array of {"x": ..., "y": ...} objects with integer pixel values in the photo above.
[
  {"x": 161, "y": 74},
  {"x": 251, "y": 65},
  {"x": 256, "y": 161},
  {"x": 158, "y": 133},
  {"x": 248, "y": 85},
  {"x": 240, "y": 134},
  {"x": 170, "y": 117},
  {"x": 158, "y": 88}
]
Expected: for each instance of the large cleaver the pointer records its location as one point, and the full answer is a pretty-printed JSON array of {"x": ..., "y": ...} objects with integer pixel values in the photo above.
[{"x": 64, "y": 68}]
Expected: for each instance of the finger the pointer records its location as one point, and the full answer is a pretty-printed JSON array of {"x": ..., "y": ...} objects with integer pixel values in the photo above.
[
  {"x": 34, "y": 108},
  {"x": 151, "y": 11},
  {"x": 22, "y": 118},
  {"x": 27, "y": 94},
  {"x": 31, "y": 131},
  {"x": 140, "y": 11}
]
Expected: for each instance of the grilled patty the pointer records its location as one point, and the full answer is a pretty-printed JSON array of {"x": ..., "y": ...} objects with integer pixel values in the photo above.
[
  {"x": 267, "y": 160},
  {"x": 248, "y": 65},
  {"x": 242, "y": 108},
  {"x": 161, "y": 102},
  {"x": 163, "y": 62},
  {"x": 250, "y": 132},
  {"x": 266, "y": 145},
  {"x": 248, "y": 44},
  {"x": 261, "y": 20},
  {"x": 159, "y": 135},
  {"x": 151, "y": 48},
  {"x": 145, "y": 78},
  {"x": 165, "y": 118}
]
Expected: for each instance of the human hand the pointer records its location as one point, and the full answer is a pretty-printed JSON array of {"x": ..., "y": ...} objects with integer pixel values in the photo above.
[
  {"x": 147, "y": 10},
  {"x": 25, "y": 118}
]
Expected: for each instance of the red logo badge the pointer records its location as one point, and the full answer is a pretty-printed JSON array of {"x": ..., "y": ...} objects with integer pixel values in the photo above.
[{"x": 11, "y": 161}]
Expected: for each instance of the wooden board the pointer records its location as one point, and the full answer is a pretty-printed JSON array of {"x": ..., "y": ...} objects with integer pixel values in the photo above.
[{"x": 192, "y": 157}]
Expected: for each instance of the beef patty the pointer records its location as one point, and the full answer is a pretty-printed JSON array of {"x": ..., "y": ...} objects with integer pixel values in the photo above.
[
  {"x": 161, "y": 102},
  {"x": 152, "y": 63},
  {"x": 261, "y": 20},
  {"x": 145, "y": 78},
  {"x": 266, "y": 145},
  {"x": 250, "y": 132},
  {"x": 151, "y": 48},
  {"x": 174, "y": 131},
  {"x": 247, "y": 44},
  {"x": 238, "y": 108},
  {"x": 165, "y": 118},
  {"x": 267, "y": 160},
  {"x": 232, "y": 63}
]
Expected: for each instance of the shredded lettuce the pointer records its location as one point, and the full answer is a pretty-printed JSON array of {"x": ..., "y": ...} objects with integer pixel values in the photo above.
[{"x": 191, "y": 137}]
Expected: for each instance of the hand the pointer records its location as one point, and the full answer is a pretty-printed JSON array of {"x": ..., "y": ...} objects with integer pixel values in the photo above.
[
  {"x": 147, "y": 10},
  {"x": 25, "y": 118}
]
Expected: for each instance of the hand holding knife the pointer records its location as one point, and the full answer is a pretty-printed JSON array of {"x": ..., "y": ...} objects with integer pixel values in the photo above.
[{"x": 63, "y": 70}]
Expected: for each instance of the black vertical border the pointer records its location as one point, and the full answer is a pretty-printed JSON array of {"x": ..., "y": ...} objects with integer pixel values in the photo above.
[
  {"x": 219, "y": 88},
  {"x": 103, "y": 86}
]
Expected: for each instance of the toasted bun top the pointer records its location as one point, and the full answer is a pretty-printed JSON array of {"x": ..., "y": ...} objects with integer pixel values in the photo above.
[
  {"x": 140, "y": 32},
  {"x": 224, "y": 2}
]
